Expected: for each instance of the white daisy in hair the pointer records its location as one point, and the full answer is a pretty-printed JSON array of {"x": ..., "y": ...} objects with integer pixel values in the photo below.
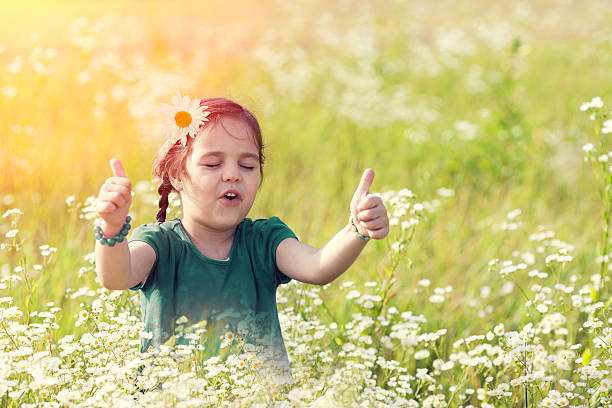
[{"x": 183, "y": 118}]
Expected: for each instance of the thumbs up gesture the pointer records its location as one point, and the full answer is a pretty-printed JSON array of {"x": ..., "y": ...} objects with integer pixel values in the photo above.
[
  {"x": 114, "y": 199},
  {"x": 368, "y": 211}
]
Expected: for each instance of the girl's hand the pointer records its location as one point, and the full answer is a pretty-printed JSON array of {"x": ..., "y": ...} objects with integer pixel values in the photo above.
[
  {"x": 114, "y": 200},
  {"x": 368, "y": 211}
]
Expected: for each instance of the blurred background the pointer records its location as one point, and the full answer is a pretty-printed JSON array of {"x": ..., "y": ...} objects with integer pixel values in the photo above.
[{"x": 472, "y": 105}]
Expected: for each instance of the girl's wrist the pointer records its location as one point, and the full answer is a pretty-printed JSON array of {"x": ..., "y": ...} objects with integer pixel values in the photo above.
[
  {"x": 109, "y": 230},
  {"x": 104, "y": 237},
  {"x": 353, "y": 227}
]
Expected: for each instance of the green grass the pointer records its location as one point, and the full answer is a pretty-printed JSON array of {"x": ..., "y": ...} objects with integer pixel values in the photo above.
[{"x": 526, "y": 154}]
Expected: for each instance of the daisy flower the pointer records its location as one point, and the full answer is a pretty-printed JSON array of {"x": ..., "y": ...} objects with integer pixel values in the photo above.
[{"x": 183, "y": 118}]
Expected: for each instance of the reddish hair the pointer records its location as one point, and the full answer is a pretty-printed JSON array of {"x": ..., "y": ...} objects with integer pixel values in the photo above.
[{"x": 171, "y": 158}]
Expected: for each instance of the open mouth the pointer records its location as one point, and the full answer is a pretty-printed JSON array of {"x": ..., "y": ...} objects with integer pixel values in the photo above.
[{"x": 231, "y": 197}]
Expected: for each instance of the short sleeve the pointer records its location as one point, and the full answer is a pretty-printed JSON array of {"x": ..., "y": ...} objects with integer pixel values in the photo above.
[
  {"x": 274, "y": 232},
  {"x": 155, "y": 236}
]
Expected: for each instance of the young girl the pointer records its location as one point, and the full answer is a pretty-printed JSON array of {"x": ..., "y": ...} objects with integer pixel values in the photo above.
[{"x": 214, "y": 264}]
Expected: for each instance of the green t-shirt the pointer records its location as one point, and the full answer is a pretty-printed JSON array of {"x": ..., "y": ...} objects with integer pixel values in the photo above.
[{"x": 236, "y": 295}]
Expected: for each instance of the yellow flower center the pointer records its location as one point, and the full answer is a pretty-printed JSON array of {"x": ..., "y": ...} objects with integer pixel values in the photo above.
[{"x": 183, "y": 119}]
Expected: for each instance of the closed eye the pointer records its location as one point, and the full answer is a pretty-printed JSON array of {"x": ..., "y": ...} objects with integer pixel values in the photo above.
[
  {"x": 212, "y": 165},
  {"x": 248, "y": 167}
]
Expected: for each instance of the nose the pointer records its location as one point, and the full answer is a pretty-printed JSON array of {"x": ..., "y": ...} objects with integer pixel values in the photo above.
[
  {"x": 231, "y": 179},
  {"x": 231, "y": 174}
]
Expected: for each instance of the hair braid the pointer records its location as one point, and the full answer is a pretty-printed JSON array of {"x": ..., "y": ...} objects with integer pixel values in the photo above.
[{"x": 164, "y": 189}]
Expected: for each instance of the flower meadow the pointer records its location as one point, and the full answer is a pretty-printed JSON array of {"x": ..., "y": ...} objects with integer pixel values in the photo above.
[{"x": 489, "y": 130}]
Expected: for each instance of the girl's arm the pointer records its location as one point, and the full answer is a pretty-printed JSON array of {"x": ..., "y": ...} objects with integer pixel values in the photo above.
[
  {"x": 124, "y": 265},
  {"x": 121, "y": 266},
  {"x": 307, "y": 264}
]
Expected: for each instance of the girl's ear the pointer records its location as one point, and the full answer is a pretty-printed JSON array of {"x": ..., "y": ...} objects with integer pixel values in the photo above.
[{"x": 176, "y": 182}]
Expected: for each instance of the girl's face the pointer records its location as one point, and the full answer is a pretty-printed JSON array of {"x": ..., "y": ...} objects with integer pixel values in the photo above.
[{"x": 223, "y": 171}]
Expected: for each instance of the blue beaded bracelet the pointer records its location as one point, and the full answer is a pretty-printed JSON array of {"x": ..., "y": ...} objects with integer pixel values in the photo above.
[
  {"x": 364, "y": 237},
  {"x": 117, "y": 238}
]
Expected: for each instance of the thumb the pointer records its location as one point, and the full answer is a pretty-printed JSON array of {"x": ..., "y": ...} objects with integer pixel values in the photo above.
[
  {"x": 365, "y": 183},
  {"x": 117, "y": 167}
]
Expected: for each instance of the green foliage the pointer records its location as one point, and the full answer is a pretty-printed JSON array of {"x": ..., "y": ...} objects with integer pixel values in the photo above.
[{"x": 471, "y": 302}]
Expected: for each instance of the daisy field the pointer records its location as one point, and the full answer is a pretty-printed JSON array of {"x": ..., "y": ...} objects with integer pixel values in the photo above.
[{"x": 488, "y": 125}]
